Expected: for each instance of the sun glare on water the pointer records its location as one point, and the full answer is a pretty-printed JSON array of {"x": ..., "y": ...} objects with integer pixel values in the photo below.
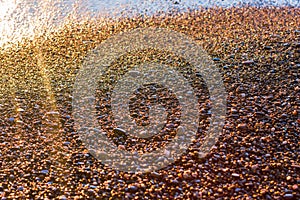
[
  {"x": 6, "y": 6},
  {"x": 26, "y": 18},
  {"x": 6, "y": 22}
]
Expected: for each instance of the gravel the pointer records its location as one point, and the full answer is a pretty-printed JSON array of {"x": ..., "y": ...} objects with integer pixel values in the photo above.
[{"x": 256, "y": 157}]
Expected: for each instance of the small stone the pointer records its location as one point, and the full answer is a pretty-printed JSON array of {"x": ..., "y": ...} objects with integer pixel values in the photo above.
[
  {"x": 242, "y": 126},
  {"x": 180, "y": 130},
  {"x": 216, "y": 59},
  {"x": 235, "y": 175},
  {"x": 254, "y": 167},
  {"x": 132, "y": 188},
  {"x": 63, "y": 197},
  {"x": 248, "y": 62},
  {"x": 19, "y": 122},
  {"x": 268, "y": 47},
  {"x": 126, "y": 176},
  {"x": 155, "y": 174},
  {"x": 11, "y": 119},
  {"x": 295, "y": 112},
  {"x": 66, "y": 143},
  {"x": 93, "y": 186},
  {"x": 288, "y": 196},
  {"x": 20, "y": 188},
  {"x": 233, "y": 110},
  {"x": 284, "y": 142},
  {"x": 284, "y": 116},
  {"x": 263, "y": 191},
  {"x": 295, "y": 187},
  {"x": 119, "y": 131},
  {"x": 52, "y": 113},
  {"x": 186, "y": 175},
  {"x": 44, "y": 171}
]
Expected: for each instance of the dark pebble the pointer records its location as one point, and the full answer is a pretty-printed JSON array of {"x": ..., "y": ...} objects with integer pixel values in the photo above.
[
  {"x": 66, "y": 143},
  {"x": 288, "y": 196},
  {"x": 132, "y": 188},
  {"x": 119, "y": 132},
  {"x": 242, "y": 127},
  {"x": 20, "y": 188},
  {"x": 44, "y": 171},
  {"x": 268, "y": 47}
]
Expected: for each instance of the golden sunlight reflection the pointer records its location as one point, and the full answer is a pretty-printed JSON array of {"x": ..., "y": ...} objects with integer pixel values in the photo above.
[
  {"x": 28, "y": 18},
  {"x": 25, "y": 83}
]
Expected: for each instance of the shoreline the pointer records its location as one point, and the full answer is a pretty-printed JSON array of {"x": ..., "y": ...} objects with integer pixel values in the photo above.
[{"x": 94, "y": 19}]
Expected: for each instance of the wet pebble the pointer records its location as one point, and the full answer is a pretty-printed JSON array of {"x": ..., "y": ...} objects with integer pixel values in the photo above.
[
  {"x": 248, "y": 62},
  {"x": 288, "y": 196}
]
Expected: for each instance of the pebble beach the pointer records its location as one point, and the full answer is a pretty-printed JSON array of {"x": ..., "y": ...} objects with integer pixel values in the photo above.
[{"x": 256, "y": 157}]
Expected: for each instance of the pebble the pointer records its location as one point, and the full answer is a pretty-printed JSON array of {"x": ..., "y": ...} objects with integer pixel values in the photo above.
[
  {"x": 11, "y": 119},
  {"x": 66, "y": 143},
  {"x": 288, "y": 196},
  {"x": 20, "y": 188},
  {"x": 93, "y": 186},
  {"x": 295, "y": 187},
  {"x": 52, "y": 113},
  {"x": 20, "y": 110},
  {"x": 132, "y": 188},
  {"x": 180, "y": 130},
  {"x": 122, "y": 147},
  {"x": 44, "y": 171},
  {"x": 259, "y": 143},
  {"x": 63, "y": 197},
  {"x": 242, "y": 126},
  {"x": 248, "y": 62},
  {"x": 268, "y": 47},
  {"x": 119, "y": 131}
]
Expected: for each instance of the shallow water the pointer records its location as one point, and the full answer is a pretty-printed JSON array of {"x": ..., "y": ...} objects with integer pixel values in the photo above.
[{"x": 26, "y": 18}]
